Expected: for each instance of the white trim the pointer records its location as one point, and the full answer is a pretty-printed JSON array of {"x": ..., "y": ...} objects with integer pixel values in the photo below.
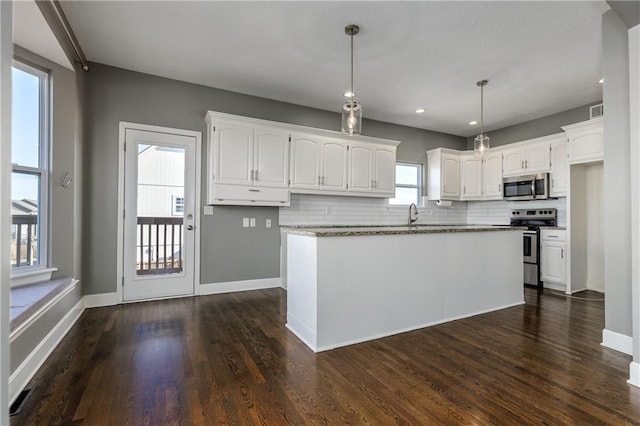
[
  {"x": 23, "y": 374},
  {"x": 418, "y": 327},
  {"x": 31, "y": 276},
  {"x": 42, "y": 310},
  {"x": 302, "y": 332},
  {"x": 617, "y": 341},
  {"x": 101, "y": 299},
  {"x": 634, "y": 374},
  {"x": 123, "y": 126},
  {"x": 233, "y": 286}
]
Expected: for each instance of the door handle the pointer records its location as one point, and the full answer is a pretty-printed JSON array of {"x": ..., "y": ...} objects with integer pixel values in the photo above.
[
  {"x": 561, "y": 253},
  {"x": 189, "y": 227},
  {"x": 533, "y": 188}
]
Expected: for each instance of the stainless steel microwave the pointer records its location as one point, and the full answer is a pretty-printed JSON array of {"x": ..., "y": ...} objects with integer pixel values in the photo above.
[{"x": 526, "y": 187}]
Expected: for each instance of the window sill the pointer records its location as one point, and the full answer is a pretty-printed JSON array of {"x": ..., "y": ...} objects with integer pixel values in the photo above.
[{"x": 31, "y": 276}]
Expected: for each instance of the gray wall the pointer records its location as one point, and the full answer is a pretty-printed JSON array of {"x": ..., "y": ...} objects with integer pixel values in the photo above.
[
  {"x": 544, "y": 126},
  {"x": 617, "y": 175},
  {"x": 229, "y": 252},
  {"x": 65, "y": 203}
]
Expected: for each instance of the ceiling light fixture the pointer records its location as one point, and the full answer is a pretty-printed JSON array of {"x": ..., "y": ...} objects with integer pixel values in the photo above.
[
  {"x": 349, "y": 94},
  {"x": 473, "y": 123},
  {"x": 420, "y": 111},
  {"x": 601, "y": 81},
  {"x": 481, "y": 143},
  {"x": 352, "y": 109}
]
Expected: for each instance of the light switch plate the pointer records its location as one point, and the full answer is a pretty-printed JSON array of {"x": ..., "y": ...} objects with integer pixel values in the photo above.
[
  {"x": 245, "y": 222},
  {"x": 252, "y": 222},
  {"x": 268, "y": 223},
  {"x": 208, "y": 210}
]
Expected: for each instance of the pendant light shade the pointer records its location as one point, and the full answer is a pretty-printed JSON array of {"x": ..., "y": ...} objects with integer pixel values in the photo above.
[
  {"x": 481, "y": 142},
  {"x": 352, "y": 109}
]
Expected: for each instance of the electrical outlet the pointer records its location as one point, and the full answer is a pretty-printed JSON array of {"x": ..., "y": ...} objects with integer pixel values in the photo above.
[
  {"x": 245, "y": 222},
  {"x": 252, "y": 222},
  {"x": 268, "y": 223}
]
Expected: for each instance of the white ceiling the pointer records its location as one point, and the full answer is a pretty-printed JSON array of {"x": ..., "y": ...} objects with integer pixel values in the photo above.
[
  {"x": 31, "y": 31},
  {"x": 539, "y": 57}
]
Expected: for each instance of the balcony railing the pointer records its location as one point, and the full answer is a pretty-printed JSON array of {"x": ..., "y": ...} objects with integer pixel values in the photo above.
[
  {"x": 159, "y": 245},
  {"x": 24, "y": 240}
]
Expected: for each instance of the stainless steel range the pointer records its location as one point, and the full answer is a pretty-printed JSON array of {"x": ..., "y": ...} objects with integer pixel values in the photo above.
[{"x": 533, "y": 219}]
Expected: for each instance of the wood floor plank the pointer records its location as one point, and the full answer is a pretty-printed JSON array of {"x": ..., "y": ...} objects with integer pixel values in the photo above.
[{"x": 229, "y": 359}]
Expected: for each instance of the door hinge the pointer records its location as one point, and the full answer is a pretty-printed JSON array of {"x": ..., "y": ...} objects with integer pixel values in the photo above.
[
  {"x": 123, "y": 213},
  {"x": 348, "y": 146},
  {"x": 214, "y": 128},
  {"x": 125, "y": 146},
  {"x": 289, "y": 138},
  {"x": 123, "y": 281},
  {"x": 289, "y": 182}
]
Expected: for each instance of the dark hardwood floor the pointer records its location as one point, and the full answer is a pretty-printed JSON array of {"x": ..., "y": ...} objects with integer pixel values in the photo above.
[{"x": 229, "y": 359}]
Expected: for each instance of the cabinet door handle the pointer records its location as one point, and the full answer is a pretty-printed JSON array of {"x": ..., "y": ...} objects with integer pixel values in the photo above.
[
  {"x": 526, "y": 163},
  {"x": 251, "y": 174},
  {"x": 254, "y": 190},
  {"x": 522, "y": 164},
  {"x": 499, "y": 187},
  {"x": 255, "y": 175},
  {"x": 561, "y": 253},
  {"x": 464, "y": 189},
  {"x": 551, "y": 236},
  {"x": 319, "y": 180},
  {"x": 323, "y": 180}
]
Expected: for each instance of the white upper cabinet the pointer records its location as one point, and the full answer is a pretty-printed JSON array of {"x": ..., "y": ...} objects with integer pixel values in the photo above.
[
  {"x": 360, "y": 167},
  {"x": 233, "y": 153},
  {"x": 559, "y": 168},
  {"x": 492, "y": 175},
  {"x": 471, "y": 176},
  {"x": 271, "y": 158},
  {"x": 372, "y": 168},
  {"x": 384, "y": 170},
  {"x": 334, "y": 164},
  {"x": 527, "y": 158},
  {"x": 444, "y": 174},
  {"x": 585, "y": 141},
  {"x": 306, "y": 153}
]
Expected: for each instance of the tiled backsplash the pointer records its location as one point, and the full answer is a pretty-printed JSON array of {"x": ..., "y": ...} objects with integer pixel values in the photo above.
[
  {"x": 337, "y": 210},
  {"x": 497, "y": 212}
]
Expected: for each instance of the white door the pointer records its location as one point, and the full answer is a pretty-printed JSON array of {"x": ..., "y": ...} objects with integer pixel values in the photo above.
[
  {"x": 553, "y": 262},
  {"x": 305, "y": 162},
  {"x": 271, "y": 154},
  {"x": 538, "y": 159},
  {"x": 384, "y": 170},
  {"x": 360, "y": 173},
  {"x": 471, "y": 177},
  {"x": 159, "y": 217},
  {"x": 492, "y": 176},
  {"x": 513, "y": 162},
  {"x": 233, "y": 144},
  {"x": 450, "y": 176},
  {"x": 334, "y": 166}
]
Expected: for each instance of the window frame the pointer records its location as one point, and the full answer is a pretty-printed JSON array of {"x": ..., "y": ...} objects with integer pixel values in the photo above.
[
  {"x": 419, "y": 186},
  {"x": 43, "y": 170},
  {"x": 175, "y": 204}
]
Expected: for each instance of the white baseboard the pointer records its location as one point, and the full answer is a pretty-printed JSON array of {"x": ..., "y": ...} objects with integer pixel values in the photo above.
[
  {"x": 232, "y": 286},
  {"x": 617, "y": 342},
  {"x": 634, "y": 374},
  {"x": 23, "y": 374},
  {"x": 101, "y": 299}
]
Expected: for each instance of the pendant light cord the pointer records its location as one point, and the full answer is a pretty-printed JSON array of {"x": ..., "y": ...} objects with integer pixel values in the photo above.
[
  {"x": 482, "y": 110},
  {"x": 352, "y": 94}
]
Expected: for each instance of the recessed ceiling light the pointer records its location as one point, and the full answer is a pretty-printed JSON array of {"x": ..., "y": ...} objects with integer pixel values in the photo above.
[
  {"x": 601, "y": 81},
  {"x": 348, "y": 94},
  {"x": 473, "y": 123},
  {"x": 419, "y": 110}
]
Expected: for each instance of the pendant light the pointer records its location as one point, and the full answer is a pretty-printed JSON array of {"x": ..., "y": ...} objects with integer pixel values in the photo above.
[
  {"x": 352, "y": 110},
  {"x": 481, "y": 143}
]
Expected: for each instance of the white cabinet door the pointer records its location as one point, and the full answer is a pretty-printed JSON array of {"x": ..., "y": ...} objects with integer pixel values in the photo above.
[
  {"x": 559, "y": 169},
  {"x": 471, "y": 177},
  {"x": 585, "y": 141},
  {"x": 450, "y": 176},
  {"x": 384, "y": 170},
  {"x": 360, "y": 168},
  {"x": 305, "y": 162},
  {"x": 271, "y": 153},
  {"x": 334, "y": 166},
  {"x": 537, "y": 158},
  {"x": 553, "y": 262},
  {"x": 492, "y": 176},
  {"x": 233, "y": 148},
  {"x": 513, "y": 162}
]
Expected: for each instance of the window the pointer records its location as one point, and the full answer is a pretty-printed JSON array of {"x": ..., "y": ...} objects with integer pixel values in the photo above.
[
  {"x": 29, "y": 157},
  {"x": 408, "y": 184},
  {"x": 177, "y": 204}
]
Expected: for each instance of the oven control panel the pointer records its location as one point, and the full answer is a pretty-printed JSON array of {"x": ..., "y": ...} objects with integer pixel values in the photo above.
[{"x": 546, "y": 213}]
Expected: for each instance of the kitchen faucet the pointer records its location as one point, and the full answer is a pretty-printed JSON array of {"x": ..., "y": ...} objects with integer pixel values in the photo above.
[{"x": 413, "y": 213}]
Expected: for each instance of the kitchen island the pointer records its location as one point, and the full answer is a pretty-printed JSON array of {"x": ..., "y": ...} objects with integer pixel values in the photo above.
[{"x": 349, "y": 285}]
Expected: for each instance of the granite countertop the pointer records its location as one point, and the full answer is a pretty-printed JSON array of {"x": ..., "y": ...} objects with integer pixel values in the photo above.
[
  {"x": 559, "y": 228},
  {"x": 342, "y": 231}
]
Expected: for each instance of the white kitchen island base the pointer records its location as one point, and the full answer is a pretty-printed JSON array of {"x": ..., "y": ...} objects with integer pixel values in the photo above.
[{"x": 345, "y": 289}]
